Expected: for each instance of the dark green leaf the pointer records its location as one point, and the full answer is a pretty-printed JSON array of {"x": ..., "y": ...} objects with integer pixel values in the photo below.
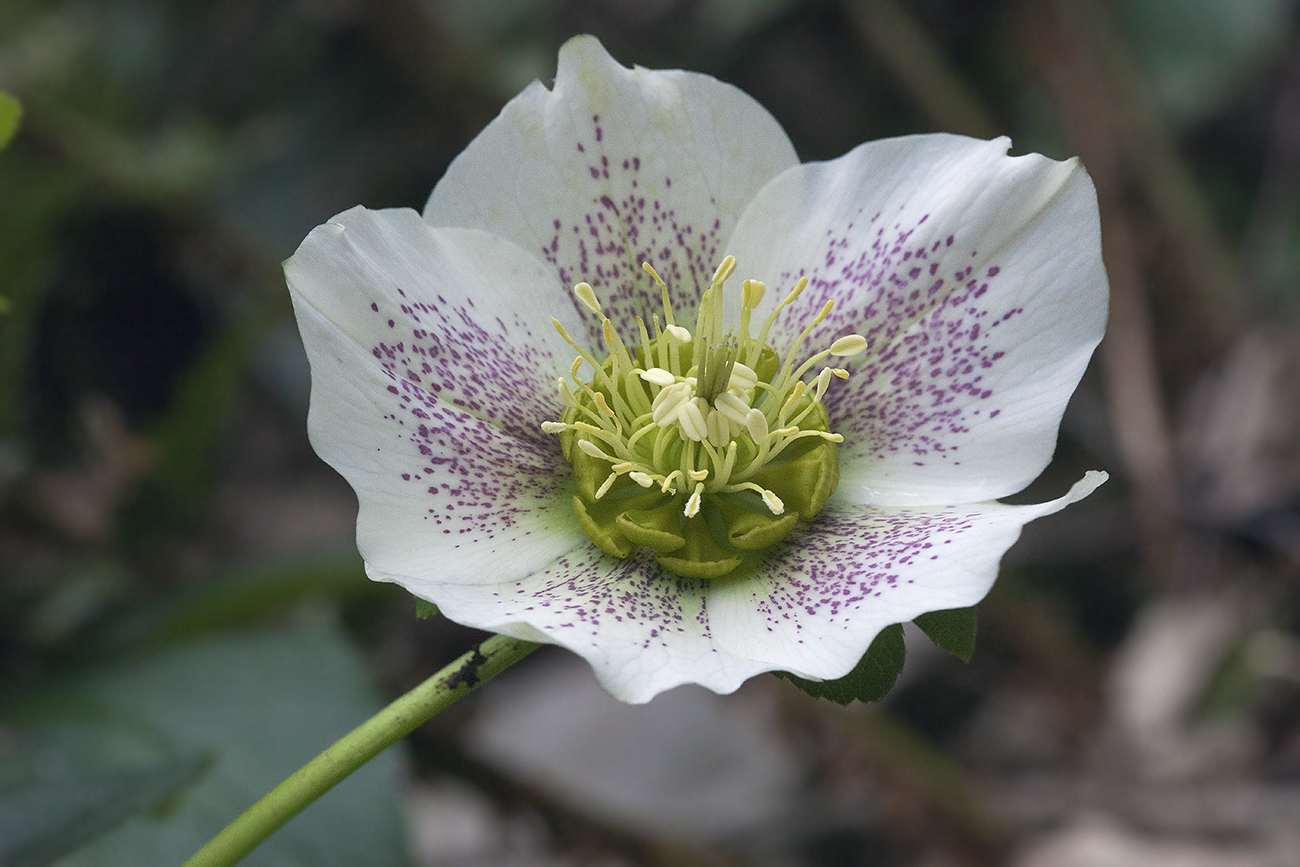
[
  {"x": 258, "y": 703},
  {"x": 870, "y": 680},
  {"x": 953, "y": 630},
  {"x": 43, "y": 822}
]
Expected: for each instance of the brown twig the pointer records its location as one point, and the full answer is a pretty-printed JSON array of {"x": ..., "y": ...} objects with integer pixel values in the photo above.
[{"x": 1128, "y": 354}]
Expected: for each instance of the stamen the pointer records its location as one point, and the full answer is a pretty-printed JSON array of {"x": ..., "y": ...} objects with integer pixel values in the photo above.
[
  {"x": 743, "y": 377},
  {"x": 725, "y": 270},
  {"x": 771, "y": 317},
  {"x": 691, "y": 418},
  {"x": 606, "y": 485},
  {"x": 848, "y": 345},
  {"x": 594, "y": 450},
  {"x": 566, "y": 394},
  {"x": 587, "y": 296},
  {"x": 688, "y": 412},
  {"x": 693, "y": 504},
  {"x": 682, "y": 335},
  {"x": 663, "y": 289},
  {"x": 658, "y": 376},
  {"x": 756, "y": 424}
]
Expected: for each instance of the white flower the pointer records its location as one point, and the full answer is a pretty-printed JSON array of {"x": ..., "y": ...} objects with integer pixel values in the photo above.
[{"x": 968, "y": 294}]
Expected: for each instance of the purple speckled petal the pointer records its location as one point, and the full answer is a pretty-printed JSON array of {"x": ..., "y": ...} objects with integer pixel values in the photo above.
[
  {"x": 462, "y": 316},
  {"x": 815, "y": 606},
  {"x": 430, "y": 375},
  {"x": 978, "y": 282},
  {"x": 613, "y": 167},
  {"x": 641, "y": 630}
]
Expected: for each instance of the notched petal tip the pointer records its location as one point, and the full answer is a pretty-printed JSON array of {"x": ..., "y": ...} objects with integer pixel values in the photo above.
[{"x": 1091, "y": 481}]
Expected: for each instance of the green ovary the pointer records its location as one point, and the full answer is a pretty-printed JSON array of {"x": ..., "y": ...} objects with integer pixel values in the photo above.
[{"x": 701, "y": 446}]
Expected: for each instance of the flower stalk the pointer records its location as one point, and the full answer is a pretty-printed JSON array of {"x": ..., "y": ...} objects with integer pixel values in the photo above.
[{"x": 394, "y": 722}]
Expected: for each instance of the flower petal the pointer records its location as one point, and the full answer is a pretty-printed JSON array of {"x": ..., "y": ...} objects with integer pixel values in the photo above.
[
  {"x": 642, "y": 631},
  {"x": 978, "y": 282},
  {"x": 426, "y": 395},
  {"x": 462, "y": 315},
  {"x": 815, "y": 606},
  {"x": 614, "y": 167}
]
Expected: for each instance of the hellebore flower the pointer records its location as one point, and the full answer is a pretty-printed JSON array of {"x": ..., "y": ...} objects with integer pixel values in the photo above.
[{"x": 683, "y": 479}]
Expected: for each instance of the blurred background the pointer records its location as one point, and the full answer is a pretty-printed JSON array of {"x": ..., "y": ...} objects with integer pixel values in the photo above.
[{"x": 183, "y": 616}]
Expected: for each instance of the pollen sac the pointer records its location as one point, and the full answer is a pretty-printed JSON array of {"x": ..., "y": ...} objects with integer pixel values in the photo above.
[{"x": 705, "y": 451}]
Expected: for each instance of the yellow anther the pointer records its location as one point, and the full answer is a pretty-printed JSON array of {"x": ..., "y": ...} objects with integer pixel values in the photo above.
[
  {"x": 602, "y": 404},
  {"x": 690, "y": 419},
  {"x": 752, "y": 292},
  {"x": 658, "y": 376},
  {"x": 823, "y": 380},
  {"x": 823, "y": 313},
  {"x": 680, "y": 333},
  {"x": 743, "y": 377},
  {"x": 796, "y": 291},
  {"x": 606, "y": 485},
  {"x": 593, "y": 450},
  {"x": 725, "y": 270},
  {"x": 587, "y": 296},
  {"x": 566, "y": 393},
  {"x": 693, "y": 504},
  {"x": 795, "y": 393},
  {"x": 563, "y": 333},
  {"x": 650, "y": 269},
  {"x": 773, "y": 502},
  {"x": 850, "y": 344},
  {"x": 554, "y": 427}
]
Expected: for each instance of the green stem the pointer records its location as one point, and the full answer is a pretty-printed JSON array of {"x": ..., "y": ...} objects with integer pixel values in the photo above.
[{"x": 359, "y": 746}]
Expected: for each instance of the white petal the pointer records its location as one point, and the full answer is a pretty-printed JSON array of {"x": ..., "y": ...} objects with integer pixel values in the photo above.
[
  {"x": 641, "y": 630},
  {"x": 458, "y": 313},
  {"x": 815, "y": 607},
  {"x": 976, "y": 279},
  {"x": 442, "y": 491},
  {"x": 613, "y": 167}
]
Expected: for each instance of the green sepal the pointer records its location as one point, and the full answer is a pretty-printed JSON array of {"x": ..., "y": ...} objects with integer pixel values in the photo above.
[
  {"x": 602, "y": 529},
  {"x": 805, "y": 482},
  {"x": 590, "y": 473},
  {"x": 658, "y": 529},
  {"x": 701, "y": 556},
  {"x": 424, "y": 609},
  {"x": 952, "y": 629},
  {"x": 870, "y": 680},
  {"x": 767, "y": 365},
  {"x": 749, "y": 530}
]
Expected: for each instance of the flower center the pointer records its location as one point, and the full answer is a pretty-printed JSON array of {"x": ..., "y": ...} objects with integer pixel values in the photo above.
[{"x": 701, "y": 445}]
